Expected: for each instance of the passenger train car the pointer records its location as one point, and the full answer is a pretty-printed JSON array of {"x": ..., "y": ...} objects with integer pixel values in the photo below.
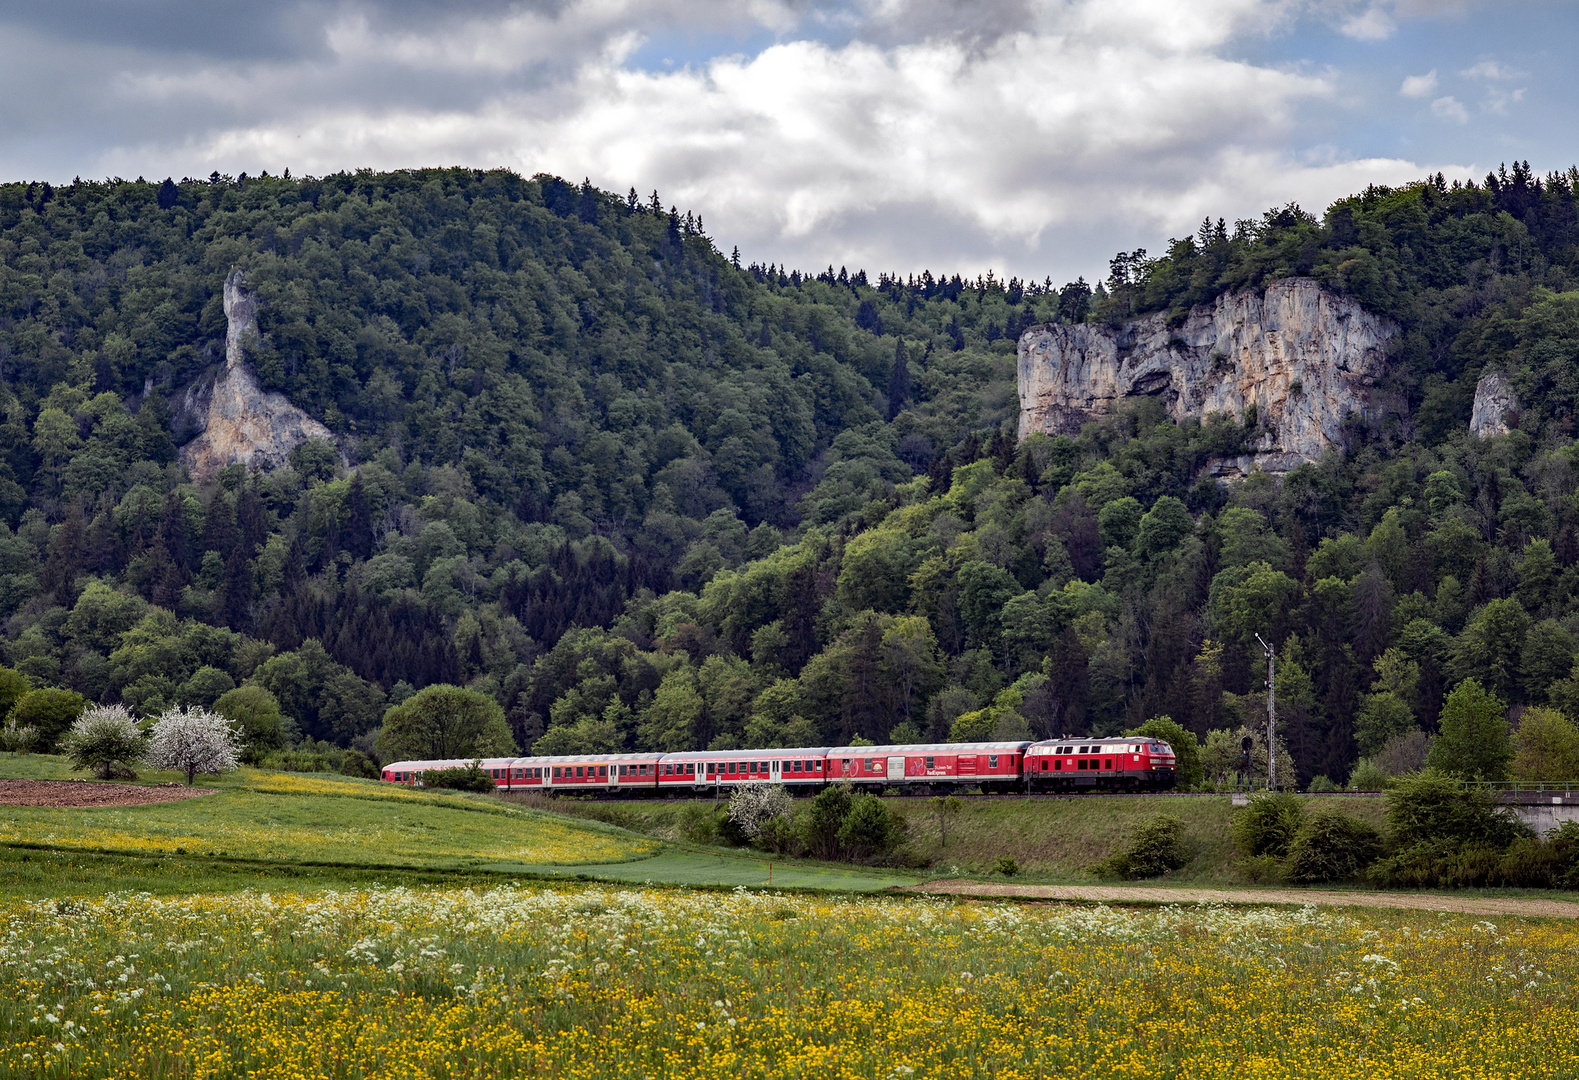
[{"x": 1129, "y": 763}]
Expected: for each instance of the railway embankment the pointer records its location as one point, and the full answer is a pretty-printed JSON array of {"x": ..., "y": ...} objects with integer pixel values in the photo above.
[{"x": 1050, "y": 839}]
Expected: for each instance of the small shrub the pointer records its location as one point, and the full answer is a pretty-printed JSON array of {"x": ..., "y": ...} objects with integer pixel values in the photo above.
[
  {"x": 50, "y": 712},
  {"x": 1261, "y": 869},
  {"x": 1367, "y": 776},
  {"x": 355, "y": 763},
  {"x": 822, "y": 820},
  {"x": 729, "y": 832},
  {"x": 105, "y": 738},
  {"x": 1528, "y": 864},
  {"x": 1269, "y": 824},
  {"x": 698, "y": 823},
  {"x": 1320, "y": 785},
  {"x": 18, "y": 738},
  {"x": 871, "y": 829},
  {"x": 465, "y": 778},
  {"x": 1332, "y": 847},
  {"x": 1564, "y": 845},
  {"x": 1008, "y": 866},
  {"x": 1432, "y": 807},
  {"x": 1157, "y": 848},
  {"x": 779, "y": 836}
]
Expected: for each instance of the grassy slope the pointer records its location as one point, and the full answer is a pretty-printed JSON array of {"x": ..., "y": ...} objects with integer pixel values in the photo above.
[
  {"x": 1058, "y": 839},
  {"x": 274, "y": 830},
  {"x": 1052, "y": 839},
  {"x": 310, "y": 819}
]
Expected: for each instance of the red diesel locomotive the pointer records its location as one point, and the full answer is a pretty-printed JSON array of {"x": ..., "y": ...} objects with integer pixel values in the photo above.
[{"x": 1130, "y": 763}]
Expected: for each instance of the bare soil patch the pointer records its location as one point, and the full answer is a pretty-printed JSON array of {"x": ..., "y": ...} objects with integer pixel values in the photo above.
[
  {"x": 86, "y": 793},
  {"x": 1143, "y": 894}
]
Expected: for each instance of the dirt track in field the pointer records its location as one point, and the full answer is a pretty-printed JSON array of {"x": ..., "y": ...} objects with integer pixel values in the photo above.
[
  {"x": 1123, "y": 894},
  {"x": 78, "y": 794}
]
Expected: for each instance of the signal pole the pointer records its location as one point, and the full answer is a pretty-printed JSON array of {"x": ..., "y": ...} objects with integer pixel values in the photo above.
[{"x": 1271, "y": 716}]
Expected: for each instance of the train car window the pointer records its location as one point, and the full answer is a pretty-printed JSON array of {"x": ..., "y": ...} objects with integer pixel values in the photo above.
[
  {"x": 1108, "y": 764},
  {"x": 992, "y": 761},
  {"x": 931, "y": 762},
  {"x": 603, "y": 770},
  {"x": 1058, "y": 764},
  {"x": 1044, "y": 764},
  {"x": 690, "y": 768},
  {"x": 581, "y": 770}
]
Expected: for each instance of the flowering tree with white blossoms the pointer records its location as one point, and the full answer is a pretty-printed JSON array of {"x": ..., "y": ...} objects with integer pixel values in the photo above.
[
  {"x": 104, "y": 737},
  {"x": 193, "y": 741},
  {"x": 752, "y": 807}
]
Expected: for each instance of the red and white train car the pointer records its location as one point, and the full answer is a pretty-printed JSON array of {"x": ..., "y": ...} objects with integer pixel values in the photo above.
[
  {"x": 703, "y": 771},
  {"x": 1127, "y": 762},
  {"x": 942, "y": 766},
  {"x": 410, "y": 772},
  {"x": 571, "y": 773}
]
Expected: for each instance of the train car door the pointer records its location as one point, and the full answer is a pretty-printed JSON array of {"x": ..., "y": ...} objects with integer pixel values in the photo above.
[{"x": 896, "y": 770}]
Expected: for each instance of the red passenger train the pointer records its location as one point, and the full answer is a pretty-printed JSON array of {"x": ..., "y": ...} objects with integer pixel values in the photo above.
[{"x": 1130, "y": 763}]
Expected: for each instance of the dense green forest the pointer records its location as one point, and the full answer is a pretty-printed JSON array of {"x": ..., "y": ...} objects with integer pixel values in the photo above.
[{"x": 642, "y": 496}]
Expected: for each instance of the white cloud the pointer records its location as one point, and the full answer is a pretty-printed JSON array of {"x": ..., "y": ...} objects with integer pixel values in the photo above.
[
  {"x": 1490, "y": 70},
  {"x": 1036, "y": 140},
  {"x": 1419, "y": 86},
  {"x": 1498, "y": 94},
  {"x": 1372, "y": 24},
  {"x": 1450, "y": 108}
]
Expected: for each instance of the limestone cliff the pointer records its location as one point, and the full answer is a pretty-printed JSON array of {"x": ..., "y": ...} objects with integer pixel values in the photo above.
[
  {"x": 236, "y": 421},
  {"x": 1496, "y": 406},
  {"x": 1304, "y": 357}
]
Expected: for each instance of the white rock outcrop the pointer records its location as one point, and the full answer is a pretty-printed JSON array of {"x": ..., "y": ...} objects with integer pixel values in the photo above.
[
  {"x": 1304, "y": 357},
  {"x": 238, "y": 423},
  {"x": 1495, "y": 405}
]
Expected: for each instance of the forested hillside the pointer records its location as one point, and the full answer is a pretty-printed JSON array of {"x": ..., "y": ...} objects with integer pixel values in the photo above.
[{"x": 643, "y": 496}]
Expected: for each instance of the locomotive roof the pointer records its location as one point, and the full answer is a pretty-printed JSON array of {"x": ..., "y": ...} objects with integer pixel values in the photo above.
[{"x": 1122, "y": 740}]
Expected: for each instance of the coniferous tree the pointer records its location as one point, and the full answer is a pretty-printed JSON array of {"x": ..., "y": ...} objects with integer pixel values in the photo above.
[{"x": 899, "y": 381}]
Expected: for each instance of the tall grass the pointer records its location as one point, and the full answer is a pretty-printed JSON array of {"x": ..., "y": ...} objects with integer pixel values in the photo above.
[{"x": 601, "y": 982}]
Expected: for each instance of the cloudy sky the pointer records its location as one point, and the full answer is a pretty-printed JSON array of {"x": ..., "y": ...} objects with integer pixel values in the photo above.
[{"x": 1034, "y": 137}]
